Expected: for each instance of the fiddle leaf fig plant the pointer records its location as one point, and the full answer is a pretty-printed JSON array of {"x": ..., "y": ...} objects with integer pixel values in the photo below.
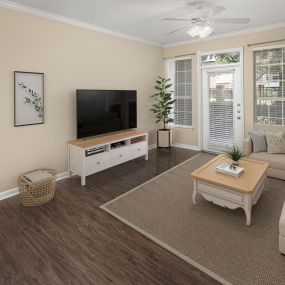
[{"x": 164, "y": 101}]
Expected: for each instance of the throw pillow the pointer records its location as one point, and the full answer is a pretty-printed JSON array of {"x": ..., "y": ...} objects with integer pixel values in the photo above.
[
  {"x": 258, "y": 141},
  {"x": 275, "y": 142}
]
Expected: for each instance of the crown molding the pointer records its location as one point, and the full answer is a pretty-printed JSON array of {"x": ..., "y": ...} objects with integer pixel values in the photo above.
[
  {"x": 70, "y": 21},
  {"x": 92, "y": 27},
  {"x": 229, "y": 34}
]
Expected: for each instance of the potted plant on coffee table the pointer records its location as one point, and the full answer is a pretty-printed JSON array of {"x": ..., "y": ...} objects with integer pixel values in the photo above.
[
  {"x": 235, "y": 154},
  {"x": 161, "y": 109}
]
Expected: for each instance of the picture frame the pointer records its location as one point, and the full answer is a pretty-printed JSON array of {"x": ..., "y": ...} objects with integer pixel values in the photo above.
[{"x": 28, "y": 98}]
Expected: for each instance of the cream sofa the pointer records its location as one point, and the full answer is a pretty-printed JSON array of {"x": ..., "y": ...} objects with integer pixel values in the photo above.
[{"x": 276, "y": 161}]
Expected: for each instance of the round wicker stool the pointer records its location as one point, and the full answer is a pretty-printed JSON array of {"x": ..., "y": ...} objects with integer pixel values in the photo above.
[{"x": 39, "y": 192}]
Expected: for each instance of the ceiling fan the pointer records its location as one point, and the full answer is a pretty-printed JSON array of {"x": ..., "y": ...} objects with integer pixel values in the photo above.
[{"x": 201, "y": 22}]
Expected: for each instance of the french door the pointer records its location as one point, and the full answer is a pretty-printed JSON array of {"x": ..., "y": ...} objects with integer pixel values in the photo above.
[{"x": 222, "y": 108}]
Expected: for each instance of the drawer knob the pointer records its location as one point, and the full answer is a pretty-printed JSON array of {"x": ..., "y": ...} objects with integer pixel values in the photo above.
[
  {"x": 121, "y": 155},
  {"x": 98, "y": 162}
]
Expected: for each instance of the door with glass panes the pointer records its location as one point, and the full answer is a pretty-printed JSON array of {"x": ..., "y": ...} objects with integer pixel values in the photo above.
[{"x": 222, "y": 109}]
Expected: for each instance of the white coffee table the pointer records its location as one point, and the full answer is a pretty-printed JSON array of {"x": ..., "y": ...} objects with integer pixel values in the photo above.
[{"x": 231, "y": 192}]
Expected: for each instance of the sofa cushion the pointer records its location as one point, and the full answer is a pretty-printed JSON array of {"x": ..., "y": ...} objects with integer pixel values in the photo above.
[
  {"x": 282, "y": 222},
  {"x": 276, "y": 161},
  {"x": 275, "y": 142},
  {"x": 258, "y": 141}
]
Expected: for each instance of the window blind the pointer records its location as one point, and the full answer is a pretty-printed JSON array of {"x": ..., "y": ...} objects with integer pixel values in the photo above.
[
  {"x": 270, "y": 86},
  {"x": 221, "y": 110},
  {"x": 183, "y": 92}
]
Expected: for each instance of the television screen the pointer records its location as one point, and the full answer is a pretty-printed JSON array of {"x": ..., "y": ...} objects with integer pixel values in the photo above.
[{"x": 105, "y": 111}]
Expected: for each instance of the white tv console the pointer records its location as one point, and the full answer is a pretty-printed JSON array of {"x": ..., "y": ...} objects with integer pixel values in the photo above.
[{"x": 88, "y": 156}]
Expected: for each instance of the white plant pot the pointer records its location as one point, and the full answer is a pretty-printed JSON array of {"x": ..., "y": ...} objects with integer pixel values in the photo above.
[{"x": 164, "y": 138}]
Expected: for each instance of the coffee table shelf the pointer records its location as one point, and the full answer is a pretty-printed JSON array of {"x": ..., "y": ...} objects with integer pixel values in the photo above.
[{"x": 228, "y": 191}]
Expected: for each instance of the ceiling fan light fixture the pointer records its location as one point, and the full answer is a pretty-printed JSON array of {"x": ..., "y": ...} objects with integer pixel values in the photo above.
[
  {"x": 200, "y": 31},
  {"x": 206, "y": 31},
  {"x": 194, "y": 31}
]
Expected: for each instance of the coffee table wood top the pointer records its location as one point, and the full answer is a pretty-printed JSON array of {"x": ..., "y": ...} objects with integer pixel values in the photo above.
[{"x": 254, "y": 171}]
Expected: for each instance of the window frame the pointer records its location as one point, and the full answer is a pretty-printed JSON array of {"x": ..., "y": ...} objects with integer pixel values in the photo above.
[
  {"x": 264, "y": 48},
  {"x": 221, "y": 51},
  {"x": 173, "y": 79}
]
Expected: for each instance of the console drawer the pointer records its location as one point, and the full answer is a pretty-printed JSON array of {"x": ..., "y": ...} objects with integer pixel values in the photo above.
[
  {"x": 119, "y": 155},
  {"x": 138, "y": 149},
  {"x": 96, "y": 162}
]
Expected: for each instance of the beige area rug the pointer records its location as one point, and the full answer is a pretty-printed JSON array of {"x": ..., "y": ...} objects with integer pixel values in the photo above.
[{"x": 214, "y": 239}]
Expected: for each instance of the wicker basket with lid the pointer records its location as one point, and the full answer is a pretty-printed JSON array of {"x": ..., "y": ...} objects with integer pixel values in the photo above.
[{"x": 39, "y": 191}]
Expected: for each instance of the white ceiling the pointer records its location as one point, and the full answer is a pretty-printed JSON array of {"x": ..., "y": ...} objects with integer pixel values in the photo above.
[{"x": 141, "y": 18}]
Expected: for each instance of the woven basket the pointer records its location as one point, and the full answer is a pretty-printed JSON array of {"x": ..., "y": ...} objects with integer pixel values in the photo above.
[{"x": 37, "y": 193}]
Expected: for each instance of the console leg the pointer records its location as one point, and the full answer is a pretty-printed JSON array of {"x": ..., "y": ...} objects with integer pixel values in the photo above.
[
  {"x": 146, "y": 156},
  {"x": 83, "y": 180}
]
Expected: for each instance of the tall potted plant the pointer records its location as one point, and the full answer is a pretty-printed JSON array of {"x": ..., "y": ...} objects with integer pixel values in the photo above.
[{"x": 161, "y": 109}]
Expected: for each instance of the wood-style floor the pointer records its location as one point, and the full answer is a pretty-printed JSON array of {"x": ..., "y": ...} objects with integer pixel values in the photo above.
[{"x": 71, "y": 240}]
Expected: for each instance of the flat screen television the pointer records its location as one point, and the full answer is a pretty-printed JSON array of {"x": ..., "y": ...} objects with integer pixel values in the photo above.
[{"x": 105, "y": 111}]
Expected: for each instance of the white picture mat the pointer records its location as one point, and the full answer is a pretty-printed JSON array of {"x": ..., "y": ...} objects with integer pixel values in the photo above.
[{"x": 25, "y": 114}]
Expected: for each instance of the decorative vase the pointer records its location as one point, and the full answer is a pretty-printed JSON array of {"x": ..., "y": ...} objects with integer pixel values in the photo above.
[{"x": 164, "y": 138}]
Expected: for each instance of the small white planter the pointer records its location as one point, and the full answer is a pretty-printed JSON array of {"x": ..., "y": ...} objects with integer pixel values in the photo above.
[{"x": 164, "y": 138}]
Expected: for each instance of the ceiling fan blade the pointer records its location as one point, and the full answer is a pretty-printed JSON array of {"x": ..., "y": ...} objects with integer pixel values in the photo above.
[
  {"x": 200, "y": 4},
  {"x": 213, "y": 11},
  {"x": 232, "y": 20},
  {"x": 175, "y": 19},
  {"x": 177, "y": 30}
]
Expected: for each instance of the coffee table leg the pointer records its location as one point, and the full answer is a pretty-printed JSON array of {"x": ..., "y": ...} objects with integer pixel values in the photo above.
[
  {"x": 247, "y": 208},
  {"x": 194, "y": 192}
]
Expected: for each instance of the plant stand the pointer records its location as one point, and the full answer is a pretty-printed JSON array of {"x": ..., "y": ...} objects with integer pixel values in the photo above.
[{"x": 164, "y": 138}]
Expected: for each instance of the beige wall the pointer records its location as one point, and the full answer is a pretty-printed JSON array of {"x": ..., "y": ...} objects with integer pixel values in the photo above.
[
  {"x": 71, "y": 58},
  {"x": 186, "y": 136}
]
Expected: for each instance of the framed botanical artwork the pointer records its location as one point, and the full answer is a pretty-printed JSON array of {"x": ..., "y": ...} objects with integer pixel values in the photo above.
[{"x": 28, "y": 98}]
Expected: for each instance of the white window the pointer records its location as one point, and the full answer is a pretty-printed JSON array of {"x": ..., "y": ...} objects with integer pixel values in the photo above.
[
  {"x": 183, "y": 92},
  {"x": 270, "y": 86},
  {"x": 220, "y": 58}
]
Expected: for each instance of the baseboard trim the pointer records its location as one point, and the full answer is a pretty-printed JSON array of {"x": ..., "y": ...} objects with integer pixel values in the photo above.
[
  {"x": 62, "y": 175},
  {"x": 15, "y": 191},
  {"x": 151, "y": 146},
  {"x": 9, "y": 193},
  {"x": 187, "y": 146}
]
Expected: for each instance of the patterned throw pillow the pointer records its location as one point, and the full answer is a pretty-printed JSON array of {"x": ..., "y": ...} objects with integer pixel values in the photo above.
[{"x": 275, "y": 142}]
